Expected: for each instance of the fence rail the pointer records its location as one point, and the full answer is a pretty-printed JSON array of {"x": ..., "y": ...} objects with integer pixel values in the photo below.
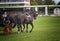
[
  {"x": 14, "y": 2},
  {"x": 35, "y": 6},
  {"x": 30, "y": 6}
]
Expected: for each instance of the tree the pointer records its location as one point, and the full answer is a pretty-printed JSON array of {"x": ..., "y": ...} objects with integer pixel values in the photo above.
[
  {"x": 42, "y": 2},
  {"x": 33, "y": 2},
  {"x": 49, "y": 2},
  {"x": 58, "y": 3}
]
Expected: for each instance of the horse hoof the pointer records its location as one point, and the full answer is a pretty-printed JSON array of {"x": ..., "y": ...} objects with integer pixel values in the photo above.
[
  {"x": 30, "y": 31},
  {"x": 18, "y": 32},
  {"x": 22, "y": 31},
  {"x": 26, "y": 31}
]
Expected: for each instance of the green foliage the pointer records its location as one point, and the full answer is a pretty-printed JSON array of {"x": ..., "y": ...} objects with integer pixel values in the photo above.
[
  {"x": 33, "y": 2},
  {"x": 39, "y": 2},
  {"x": 58, "y": 3},
  {"x": 49, "y": 2}
]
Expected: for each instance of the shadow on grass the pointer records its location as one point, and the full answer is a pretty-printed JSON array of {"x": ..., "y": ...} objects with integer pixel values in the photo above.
[{"x": 2, "y": 34}]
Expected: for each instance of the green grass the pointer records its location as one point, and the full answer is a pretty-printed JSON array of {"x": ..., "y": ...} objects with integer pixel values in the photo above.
[{"x": 46, "y": 28}]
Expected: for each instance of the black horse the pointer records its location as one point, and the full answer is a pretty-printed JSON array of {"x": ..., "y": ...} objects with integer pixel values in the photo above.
[
  {"x": 22, "y": 18},
  {"x": 2, "y": 23}
]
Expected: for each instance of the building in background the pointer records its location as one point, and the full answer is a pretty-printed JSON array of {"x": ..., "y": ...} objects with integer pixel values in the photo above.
[{"x": 15, "y": 3}]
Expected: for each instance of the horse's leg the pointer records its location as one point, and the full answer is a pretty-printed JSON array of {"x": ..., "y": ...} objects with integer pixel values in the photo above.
[
  {"x": 14, "y": 25},
  {"x": 32, "y": 26},
  {"x": 23, "y": 26},
  {"x": 26, "y": 27},
  {"x": 19, "y": 28}
]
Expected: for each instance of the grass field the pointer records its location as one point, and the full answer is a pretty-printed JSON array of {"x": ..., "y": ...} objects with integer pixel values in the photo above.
[{"x": 46, "y": 28}]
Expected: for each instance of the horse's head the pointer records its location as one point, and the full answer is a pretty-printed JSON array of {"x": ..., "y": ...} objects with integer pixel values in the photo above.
[{"x": 35, "y": 14}]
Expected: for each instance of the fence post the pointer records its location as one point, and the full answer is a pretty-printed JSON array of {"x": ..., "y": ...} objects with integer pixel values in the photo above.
[
  {"x": 46, "y": 11},
  {"x": 36, "y": 9}
]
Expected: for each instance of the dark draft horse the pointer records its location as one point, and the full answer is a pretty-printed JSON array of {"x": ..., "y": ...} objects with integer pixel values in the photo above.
[{"x": 22, "y": 18}]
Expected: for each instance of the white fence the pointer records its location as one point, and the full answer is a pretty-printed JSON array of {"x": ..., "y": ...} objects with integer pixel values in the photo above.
[{"x": 36, "y": 8}]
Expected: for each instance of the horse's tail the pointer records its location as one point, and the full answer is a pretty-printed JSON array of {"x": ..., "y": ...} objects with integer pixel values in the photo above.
[{"x": 14, "y": 25}]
